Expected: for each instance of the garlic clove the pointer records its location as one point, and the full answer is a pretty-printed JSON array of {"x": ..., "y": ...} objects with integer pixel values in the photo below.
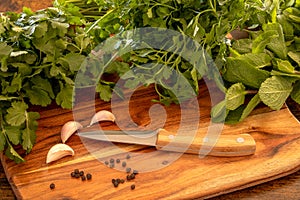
[
  {"x": 68, "y": 129},
  {"x": 59, "y": 151},
  {"x": 102, "y": 115}
]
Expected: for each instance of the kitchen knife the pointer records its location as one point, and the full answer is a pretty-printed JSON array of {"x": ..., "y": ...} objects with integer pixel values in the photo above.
[{"x": 224, "y": 145}]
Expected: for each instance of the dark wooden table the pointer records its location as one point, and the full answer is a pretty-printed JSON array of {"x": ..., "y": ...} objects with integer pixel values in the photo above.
[{"x": 283, "y": 188}]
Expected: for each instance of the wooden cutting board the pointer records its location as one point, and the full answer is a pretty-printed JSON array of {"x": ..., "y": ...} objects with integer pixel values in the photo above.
[{"x": 277, "y": 135}]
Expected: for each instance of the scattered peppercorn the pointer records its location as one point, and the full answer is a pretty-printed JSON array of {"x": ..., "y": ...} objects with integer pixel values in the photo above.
[
  {"x": 83, "y": 178},
  {"x": 132, "y": 187},
  {"x": 52, "y": 186},
  {"x": 122, "y": 180},
  {"x": 111, "y": 160},
  {"x": 106, "y": 162},
  {"x": 112, "y": 165},
  {"x": 123, "y": 164},
  {"x": 73, "y": 174},
  {"x": 128, "y": 169},
  {"x": 135, "y": 172},
  {"x": 132, "y": 176},
  {"x": 81, "y": 173},
  {"x": 115, "y": 183},
  {"x": 76, "y": 171},
  {"x": 77, "y": 175},
  {"x": 118, "y": 160},
  {"x": 88, "y": 176},
  {"x": 128, "y": 156}
]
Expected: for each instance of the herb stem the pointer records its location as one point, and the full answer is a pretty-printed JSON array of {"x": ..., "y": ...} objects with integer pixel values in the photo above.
[{"x": 98, "y": 20}]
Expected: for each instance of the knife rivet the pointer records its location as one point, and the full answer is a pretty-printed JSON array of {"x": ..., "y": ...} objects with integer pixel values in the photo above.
[
  {"x": 240, "y": 140},
  {"x": 171, "y": 137}
]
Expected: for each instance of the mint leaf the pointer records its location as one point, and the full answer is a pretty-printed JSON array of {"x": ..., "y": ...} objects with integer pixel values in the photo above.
[
  {"x": 240, "y": 70},
  {"x": 260, "y": 43},
  {"x": 235, "y": 96},
  {"x": 250, "y": 107},
  {"x": 295, "y": 56},
  {"x": 16, "y": 114},
  {"x": 274, "y": 91},
  {"x": 295, "y": 95},
  {"x": 285, "y": 66},
  {"x": 219, "y": 112}
]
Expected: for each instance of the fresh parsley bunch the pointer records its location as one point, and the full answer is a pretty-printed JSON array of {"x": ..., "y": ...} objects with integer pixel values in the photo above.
[{"x": 40, "y": 53}]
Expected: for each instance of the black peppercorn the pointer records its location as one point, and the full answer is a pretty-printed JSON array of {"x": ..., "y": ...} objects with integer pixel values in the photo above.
[
  {"x": 128, "y": 156},
  {"x": 77, "y": 175},
  {"x": 111, "y": 160},
  {"x": 132, "y": 186},
  {"x": 88, "y": 176},
  {"x": 123, "y": 164},
  {"x": 116, "y": 184},
  {"x": 73, "y": 174},
  {"x": 122, "y": 180},
  {"x": 132, "y": 176},
  {"x": 83, "y": 178},
  {"x": 135, "y": 172},
  {"x": 112, "y": 165},
  {"x": 81, "y": 173},
  {"x": 118, "y": 160},
  {"x": 52, "y": 186},
  {"x": 128, "y": 169},
  {"x": 76, "y": 171},
  {"x": 106, "y": 162}
]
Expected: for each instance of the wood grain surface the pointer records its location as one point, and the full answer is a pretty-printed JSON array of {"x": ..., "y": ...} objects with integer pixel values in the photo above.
[
  {"x": 277, "y": 136},
  {"x": 276, "y": 133}
]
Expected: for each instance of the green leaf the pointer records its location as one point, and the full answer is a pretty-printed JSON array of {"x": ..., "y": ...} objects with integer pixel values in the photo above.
[
  {"x": 295, "y": 56},
  {"x": 105, "y": 91},
  {"x": 13, "y": 133},
  {"x": 5, "y": 50},
  {"x": 43, "y": 84},
  {"x": 234, "y": 116},
  {"x": 74, "y": 61},
  {"x": 250, "y": 107},
  {"x": 274, "y": 91},
  {"x": 219, "y": 112},
  {"x": 16, "y": 114},
  {"x": 260, "y": 43},
  {"x": 277, "y": 45},
  {"x": 241, "y": 70},
  {"x": 295, "y": 95},
  {"x": 285, "y": 66},
  {"x": 38, "y": 96},
  {"x": 2, "y": 140},
  {"x": 28, "y": 134},
  {"x": 235, "y": 96},
  {"x": 13, "y": 155},
  {"x": 65, "y": 97}
]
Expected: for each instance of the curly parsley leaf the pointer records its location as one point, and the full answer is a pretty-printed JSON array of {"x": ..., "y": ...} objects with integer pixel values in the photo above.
[{"x": 16, "y": 114}]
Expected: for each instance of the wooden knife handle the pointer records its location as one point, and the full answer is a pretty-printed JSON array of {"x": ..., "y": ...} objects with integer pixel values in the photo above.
[{"x": 224, "y": 145}]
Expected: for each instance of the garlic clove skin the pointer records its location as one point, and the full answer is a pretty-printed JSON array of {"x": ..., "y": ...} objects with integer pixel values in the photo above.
[
  {"x": 59, "y": 151},
  {"x": 68, "y": 129},
  {"x": 102, "y": 115}
]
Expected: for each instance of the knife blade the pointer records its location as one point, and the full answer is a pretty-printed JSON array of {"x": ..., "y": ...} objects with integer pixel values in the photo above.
[{"x": 224, "y": 145}]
